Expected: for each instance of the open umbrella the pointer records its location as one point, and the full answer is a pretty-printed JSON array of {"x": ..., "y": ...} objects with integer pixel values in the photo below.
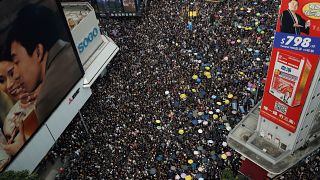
[
  {"x": 200, "y": 168},
  {"x": 181, "y": 131},
  {"x": 158, "y": 121},
  {"x": 190, "y": 161},
  {"x": 223, "y": 156},
  {"x": 224, "y": 144},
  {"x": 183, "y": 175},
  {"x": 177, "y": 177},
  {"x": 166, "y": 92},
  {"x": 153, "y": 171},
  {"x": 194, "y": 122},
  {"x": 226, "y": 101},
  {"x": 195, "y": 77},
  {"x": 188, "y": 177},
  {"x": 228, "y": 153},
  {"x": 183, "y": 96}
]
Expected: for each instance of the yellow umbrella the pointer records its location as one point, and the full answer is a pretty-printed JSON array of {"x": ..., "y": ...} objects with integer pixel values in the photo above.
[
  {"x": 181, "y": 131},
  {"x": 195, "y": 77},
  {"x": 206, "y": 73},
  {"x": 207, "y": 68},
  {"x": 193, "y": 90},
  {"x": 188, "y": 177},
  {"x": 230, "y": 96},
  {"x": 242, "y": 73},
  {"x": 226, "y": 101},
  {"x": 250, "y": 28},
  {"x": 223, "y": 156},
  {"x": 241, "y": 9},
  {"x": 219, "y": 79},
  {"x": 193, "y": 13},
  {"x": 183, "y": 96},
  {"x": 209, "y": 77},
  {"x": 219, "y": 103},
  {"x": 190, "y": 161},
  {"x": 215, "y": 116},
  {"x": 158, "y": 121}
]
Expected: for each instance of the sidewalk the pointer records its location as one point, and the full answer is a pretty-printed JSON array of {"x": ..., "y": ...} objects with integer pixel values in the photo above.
[{"x": 50, "y": 171}]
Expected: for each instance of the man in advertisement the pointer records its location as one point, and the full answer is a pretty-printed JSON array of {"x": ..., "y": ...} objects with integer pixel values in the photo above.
[
  {"x": 291, "y": 22},
  {"x": 43, "y": 62}
]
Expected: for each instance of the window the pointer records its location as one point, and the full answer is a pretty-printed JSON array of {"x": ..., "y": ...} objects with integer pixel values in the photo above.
[{"x": 283, "y": 146}]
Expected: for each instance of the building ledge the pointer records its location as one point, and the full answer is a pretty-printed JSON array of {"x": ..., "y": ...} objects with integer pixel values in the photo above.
[{"x": 242, "y": 136}]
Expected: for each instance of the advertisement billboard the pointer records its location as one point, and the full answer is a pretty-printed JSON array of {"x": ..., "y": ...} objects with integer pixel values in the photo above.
[
  {"x": 39, "y": 65},
  {"x": 294, "y": 59}
]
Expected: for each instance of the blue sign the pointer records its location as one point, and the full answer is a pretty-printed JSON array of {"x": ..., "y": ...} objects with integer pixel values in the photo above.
[
  {"x": 87, "y": 40},
  {"x": 297, "y": 43}
]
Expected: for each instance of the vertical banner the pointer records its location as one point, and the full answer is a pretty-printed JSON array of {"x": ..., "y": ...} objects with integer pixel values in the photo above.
[{"x": 294, "y": 59}]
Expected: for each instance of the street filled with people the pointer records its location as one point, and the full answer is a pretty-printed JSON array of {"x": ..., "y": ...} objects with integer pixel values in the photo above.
[{"x": 186, "y": 73}]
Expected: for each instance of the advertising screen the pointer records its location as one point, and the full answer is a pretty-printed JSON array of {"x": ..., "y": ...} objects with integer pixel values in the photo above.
[
  {"x": 294, "y": 59},
  {"x": 129, "y": 5},
  {"x": 38, "y": 67}
]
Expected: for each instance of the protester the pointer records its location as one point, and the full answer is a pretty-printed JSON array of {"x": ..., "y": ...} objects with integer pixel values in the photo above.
[{"x": 173, "y": 92}]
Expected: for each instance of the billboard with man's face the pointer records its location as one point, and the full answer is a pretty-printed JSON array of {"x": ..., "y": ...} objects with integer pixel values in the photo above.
[{"x": 38, "y": 67}]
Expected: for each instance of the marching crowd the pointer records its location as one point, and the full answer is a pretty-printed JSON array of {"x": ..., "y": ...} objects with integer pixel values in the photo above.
[{"x": 185, "y": 75}]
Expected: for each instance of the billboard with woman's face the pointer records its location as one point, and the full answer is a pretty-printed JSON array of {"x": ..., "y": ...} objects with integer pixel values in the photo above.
[{"x": 38, "y": 67}]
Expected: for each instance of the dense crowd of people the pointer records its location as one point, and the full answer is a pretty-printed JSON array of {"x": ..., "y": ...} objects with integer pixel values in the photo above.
[{"x": 171, "y": 95}]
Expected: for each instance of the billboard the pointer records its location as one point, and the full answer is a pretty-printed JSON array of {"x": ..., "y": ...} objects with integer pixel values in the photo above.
[
  {"x": 294, "y": 59},
  {"x": 38, "y": 67}
]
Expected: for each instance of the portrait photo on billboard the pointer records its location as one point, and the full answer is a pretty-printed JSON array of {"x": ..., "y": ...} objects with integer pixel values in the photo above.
[
  {"x": 39, "y": 66},
  {"x": 299, "y": 17}
]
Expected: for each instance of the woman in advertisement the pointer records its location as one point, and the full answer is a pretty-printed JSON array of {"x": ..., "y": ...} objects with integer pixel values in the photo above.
[
  {"x": 293, "y": 23},
  {"x": 13, "y": 130}
]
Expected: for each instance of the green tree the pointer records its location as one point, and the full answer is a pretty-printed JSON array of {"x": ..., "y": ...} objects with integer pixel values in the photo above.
[
  {"x": 227, "y": 174},
  {"x": 18, "y": 175}
]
